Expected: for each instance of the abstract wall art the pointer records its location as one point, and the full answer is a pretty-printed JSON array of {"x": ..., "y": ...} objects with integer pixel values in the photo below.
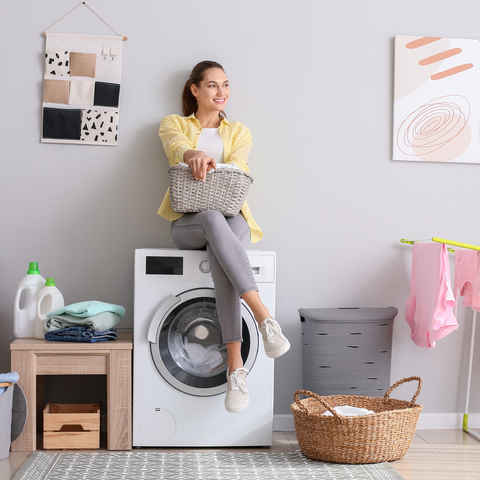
[{"x": 436, "y": 109}]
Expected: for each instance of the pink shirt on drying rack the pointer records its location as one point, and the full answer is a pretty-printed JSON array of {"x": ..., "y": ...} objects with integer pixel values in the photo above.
[
  {"x": 429, "y": 310},
  {"x": 467, "y": 277}
]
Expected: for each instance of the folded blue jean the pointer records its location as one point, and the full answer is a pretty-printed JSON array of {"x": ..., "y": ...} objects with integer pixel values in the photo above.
[{"x": 81, "y": 334}]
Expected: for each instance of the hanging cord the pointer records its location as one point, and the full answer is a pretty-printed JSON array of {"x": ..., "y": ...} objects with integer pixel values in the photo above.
[{"x": 97, "y": 14}]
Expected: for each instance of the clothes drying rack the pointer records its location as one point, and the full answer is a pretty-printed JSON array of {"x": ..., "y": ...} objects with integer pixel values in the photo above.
[{"x": 472, "y": 339}]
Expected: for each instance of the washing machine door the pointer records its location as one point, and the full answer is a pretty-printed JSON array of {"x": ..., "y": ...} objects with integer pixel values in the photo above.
[{"x": 186, "y": 342}]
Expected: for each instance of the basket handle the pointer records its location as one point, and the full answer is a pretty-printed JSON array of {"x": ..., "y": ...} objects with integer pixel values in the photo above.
[
  {"x": 319, "y": 399},
  {"x": 404, "y": 380}
]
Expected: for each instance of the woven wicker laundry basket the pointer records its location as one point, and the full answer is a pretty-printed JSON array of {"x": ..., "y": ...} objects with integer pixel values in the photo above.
[
  {"x": 224, "y": 190},
  {"x": 383, "y": 436}
]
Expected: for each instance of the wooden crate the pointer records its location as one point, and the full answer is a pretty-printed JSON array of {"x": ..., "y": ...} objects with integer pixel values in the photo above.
[{"x": 71, "y": 426}]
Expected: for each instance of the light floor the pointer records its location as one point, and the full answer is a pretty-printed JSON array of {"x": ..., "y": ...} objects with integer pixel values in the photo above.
[{"x": 434, "y": 454}]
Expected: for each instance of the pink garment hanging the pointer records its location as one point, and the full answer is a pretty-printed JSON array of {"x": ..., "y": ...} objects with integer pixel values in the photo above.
[
  {"x": 429, "y": 310},
  {"x": 467, "y": 277}
]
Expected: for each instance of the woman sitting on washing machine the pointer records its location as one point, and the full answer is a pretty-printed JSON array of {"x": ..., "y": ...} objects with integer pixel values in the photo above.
[{"x": 202, "y": 138}]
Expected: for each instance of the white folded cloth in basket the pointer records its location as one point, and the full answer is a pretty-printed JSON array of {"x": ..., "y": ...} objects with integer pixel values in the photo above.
[
  {"x": 219, "y": 165},
  {"x": 347, "y": 411}
]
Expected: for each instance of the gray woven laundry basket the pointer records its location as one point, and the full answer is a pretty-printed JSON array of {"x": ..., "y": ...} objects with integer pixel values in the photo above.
[{"x": 224, "y": 190}]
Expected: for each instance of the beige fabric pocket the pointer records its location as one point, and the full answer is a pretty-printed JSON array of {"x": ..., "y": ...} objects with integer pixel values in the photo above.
[
  {"x": 56, "y": 91},
  {"x": 83, "y": 64}
]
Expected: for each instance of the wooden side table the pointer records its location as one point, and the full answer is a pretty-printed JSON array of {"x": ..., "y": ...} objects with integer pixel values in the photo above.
[{"x": 31, "y": 357}]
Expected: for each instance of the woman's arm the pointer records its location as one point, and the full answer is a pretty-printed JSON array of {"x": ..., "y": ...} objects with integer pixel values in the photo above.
[
  {"x": 179, "y": 148},
  {"x": 174, "y": 139}
]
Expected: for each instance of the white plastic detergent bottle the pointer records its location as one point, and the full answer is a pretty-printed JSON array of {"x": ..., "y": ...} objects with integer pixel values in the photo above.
[
  {"x": 24, "y": 315},
  {"x": 49, "y": 300}
]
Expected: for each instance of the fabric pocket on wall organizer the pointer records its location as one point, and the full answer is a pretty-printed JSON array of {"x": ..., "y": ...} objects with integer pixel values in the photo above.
[
  {"x": 81, "y": 93},
  {"x": 99, "y": 127},
  {"x": 83, "y": 64},
  {"x": 57, "y": 63},
  {"x": 106, "y": 94},
  {"x": 61, "y": 124},
  {"x": 56, "y": 91}
]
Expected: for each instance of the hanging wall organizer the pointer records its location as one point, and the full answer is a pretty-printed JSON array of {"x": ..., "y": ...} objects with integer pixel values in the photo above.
[{"x": 81, "y": 94}]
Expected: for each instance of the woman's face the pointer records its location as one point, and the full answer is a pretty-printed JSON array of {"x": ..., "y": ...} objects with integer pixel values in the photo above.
[{"x": 213, "y": 92}]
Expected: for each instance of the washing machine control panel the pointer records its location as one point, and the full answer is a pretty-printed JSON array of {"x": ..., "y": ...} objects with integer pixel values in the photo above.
[{"x": 179, "y": 266}]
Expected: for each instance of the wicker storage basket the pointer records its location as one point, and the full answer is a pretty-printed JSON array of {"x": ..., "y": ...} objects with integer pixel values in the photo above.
[
  {"x": 224, "y": 190},
  {"x": 383, "y": 436}
]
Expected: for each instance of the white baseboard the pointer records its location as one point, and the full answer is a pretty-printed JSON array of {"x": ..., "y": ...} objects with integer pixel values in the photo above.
[
  {"x": 436, "y": 421},
  {"x": 283, "y": 423},
  {"x": 427, "y": 421}
]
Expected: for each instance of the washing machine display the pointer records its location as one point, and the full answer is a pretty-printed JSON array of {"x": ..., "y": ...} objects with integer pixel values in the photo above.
[{"x": 180, "y": 362}]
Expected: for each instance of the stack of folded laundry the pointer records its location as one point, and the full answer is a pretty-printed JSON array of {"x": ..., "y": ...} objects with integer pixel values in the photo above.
[
  {"x": 84, "y": 322},
  {"x": 11, "y": 377}
]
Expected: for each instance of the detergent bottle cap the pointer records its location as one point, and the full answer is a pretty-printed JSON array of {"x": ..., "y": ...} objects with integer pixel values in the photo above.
[
  {"x": 33, "y": 268},
  {"x": 50, "y": 282}
]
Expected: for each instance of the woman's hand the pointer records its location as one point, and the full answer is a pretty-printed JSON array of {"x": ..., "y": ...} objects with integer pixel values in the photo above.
[{"x": 200, "y": 163}]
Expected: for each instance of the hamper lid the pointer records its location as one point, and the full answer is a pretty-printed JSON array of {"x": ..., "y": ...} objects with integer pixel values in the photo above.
[{"x": 348, "y": 314}]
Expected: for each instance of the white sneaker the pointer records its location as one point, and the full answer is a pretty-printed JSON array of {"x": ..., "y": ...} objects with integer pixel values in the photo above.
[
  {"x": 275, "y": 342},
  {"x": 237, "y": 398}
]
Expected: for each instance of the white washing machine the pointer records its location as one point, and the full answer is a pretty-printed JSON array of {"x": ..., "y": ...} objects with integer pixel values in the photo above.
[{"x": 179, "y": 370}]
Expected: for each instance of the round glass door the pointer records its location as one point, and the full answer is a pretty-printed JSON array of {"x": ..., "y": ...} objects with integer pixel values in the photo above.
[{"x": 189, "y": 352}]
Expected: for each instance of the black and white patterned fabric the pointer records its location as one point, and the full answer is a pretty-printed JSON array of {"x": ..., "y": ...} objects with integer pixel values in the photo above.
[
  {"x": 98, "y": 126},
  {"x": 57, "y": 63}
]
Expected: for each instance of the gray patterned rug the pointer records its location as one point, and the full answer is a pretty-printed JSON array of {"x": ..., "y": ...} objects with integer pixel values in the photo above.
[{"x": 193, "y": 466}]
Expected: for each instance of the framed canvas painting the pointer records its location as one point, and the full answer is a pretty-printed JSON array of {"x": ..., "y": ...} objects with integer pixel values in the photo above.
[{"x": 436, "y": 109}]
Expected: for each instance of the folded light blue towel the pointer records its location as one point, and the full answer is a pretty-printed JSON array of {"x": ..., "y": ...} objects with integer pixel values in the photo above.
[
  {"x": 99, "y": 322},
  {"x": 11, "y": 377},
  {"x": 88, "y": 309}
]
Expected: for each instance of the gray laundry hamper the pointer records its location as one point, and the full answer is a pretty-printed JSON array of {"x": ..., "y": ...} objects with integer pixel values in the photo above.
[
  {"x": 6, "y": 399},
  {"x": 347, "y": 351},
  {"x": 13, "y": 415}
]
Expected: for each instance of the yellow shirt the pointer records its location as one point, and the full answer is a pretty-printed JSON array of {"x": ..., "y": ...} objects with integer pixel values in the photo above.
[{"x": 179, "y": 134}]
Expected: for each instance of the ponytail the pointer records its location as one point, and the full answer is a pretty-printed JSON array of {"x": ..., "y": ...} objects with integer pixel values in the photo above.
[{"x": 189, "y": 102}]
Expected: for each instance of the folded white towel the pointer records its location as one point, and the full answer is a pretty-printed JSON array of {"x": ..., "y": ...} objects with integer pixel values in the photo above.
[
  {"x": 347, "y": 411},
  {"x": 219, "y": 165}
]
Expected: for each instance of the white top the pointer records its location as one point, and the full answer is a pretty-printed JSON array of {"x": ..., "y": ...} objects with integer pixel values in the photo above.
[{"x": 211, "y": 143}]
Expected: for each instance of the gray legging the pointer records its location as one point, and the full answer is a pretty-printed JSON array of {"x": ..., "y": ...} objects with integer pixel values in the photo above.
[{"x": 225, "y": 239}]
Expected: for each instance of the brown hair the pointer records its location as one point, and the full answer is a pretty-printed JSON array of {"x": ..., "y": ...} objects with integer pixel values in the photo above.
[{"x": 189, "y": 102}]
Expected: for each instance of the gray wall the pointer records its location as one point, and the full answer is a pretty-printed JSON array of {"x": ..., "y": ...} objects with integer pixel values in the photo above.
[{"x": 313, "y": 81}]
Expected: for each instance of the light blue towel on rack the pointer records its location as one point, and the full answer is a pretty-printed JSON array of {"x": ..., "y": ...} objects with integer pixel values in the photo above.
[
  {"x": 89, "y": 309},
  {"x": 11, "y": 377}
]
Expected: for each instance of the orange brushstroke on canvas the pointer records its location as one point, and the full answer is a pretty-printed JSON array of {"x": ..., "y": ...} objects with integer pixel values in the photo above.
[
  {"x": 452, "y": 71},
  {"x": 440, "y": 56},
  {"x": 421, "y": 42}
]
